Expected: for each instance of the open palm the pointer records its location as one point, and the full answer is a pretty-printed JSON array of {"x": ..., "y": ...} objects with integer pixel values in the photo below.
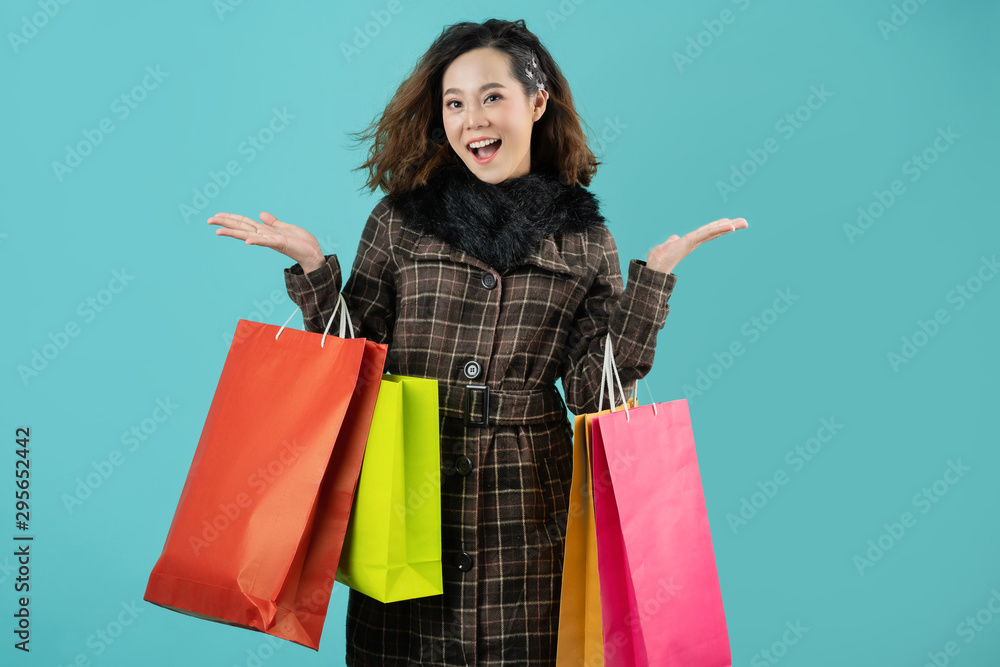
[
  {"x": 288, "y": 239},
  {"x": 668, "y": 254}
]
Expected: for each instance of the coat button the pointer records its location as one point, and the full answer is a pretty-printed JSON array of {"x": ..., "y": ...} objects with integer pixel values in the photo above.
[
  {"x": 489, "y": 280},
  {"x": 472, "y": 369},
  {"x": 463, "y": 562},
  {"x": 463, "y": 465}
]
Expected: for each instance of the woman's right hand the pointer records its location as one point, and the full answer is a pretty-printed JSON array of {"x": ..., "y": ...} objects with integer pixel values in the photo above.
[{"x": 287, "y": 239}]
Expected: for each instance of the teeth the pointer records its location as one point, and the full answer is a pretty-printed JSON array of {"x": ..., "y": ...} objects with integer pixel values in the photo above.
[{"x": 480, "y": 144}]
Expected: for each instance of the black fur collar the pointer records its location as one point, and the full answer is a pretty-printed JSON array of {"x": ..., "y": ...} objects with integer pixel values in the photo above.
[{"x": 500, "y": 224}]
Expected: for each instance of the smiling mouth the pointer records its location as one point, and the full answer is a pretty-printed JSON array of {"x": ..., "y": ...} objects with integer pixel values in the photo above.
[{"x": 484, "y": 154}]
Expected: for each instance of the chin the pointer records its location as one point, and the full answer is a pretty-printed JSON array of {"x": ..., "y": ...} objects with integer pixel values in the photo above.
[
  {"x": 493, "y": 176},
  {"x": 484, "y": 172}
]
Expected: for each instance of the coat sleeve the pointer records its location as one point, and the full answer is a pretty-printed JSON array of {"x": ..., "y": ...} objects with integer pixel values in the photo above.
[
  {"x": 370, "y": 291},
  {"x": 633, "y": 317}
]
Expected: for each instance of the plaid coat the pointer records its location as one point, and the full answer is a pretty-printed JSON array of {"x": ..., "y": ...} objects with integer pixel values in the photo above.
[{"x": 448, "y": 315}]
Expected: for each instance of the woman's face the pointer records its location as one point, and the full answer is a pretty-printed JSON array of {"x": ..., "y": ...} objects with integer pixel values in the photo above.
[{"x": 482, "y": 101}]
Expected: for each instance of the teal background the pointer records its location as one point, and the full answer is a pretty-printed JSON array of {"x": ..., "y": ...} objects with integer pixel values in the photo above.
[{"x": 667, "y": 135}]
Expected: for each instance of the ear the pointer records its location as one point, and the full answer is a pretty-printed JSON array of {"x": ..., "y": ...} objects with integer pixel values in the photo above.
[{"x": 539, "y": 104}]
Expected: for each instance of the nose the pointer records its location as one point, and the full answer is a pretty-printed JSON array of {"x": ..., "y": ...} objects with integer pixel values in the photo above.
[{"x": 474, "y": 118}]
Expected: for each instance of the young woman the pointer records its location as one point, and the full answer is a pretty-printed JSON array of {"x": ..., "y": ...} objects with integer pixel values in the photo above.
[{"x": 487, "y": 266}]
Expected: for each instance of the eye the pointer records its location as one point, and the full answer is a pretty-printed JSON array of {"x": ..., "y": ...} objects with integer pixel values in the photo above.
[{"x": 450, "y": 102}]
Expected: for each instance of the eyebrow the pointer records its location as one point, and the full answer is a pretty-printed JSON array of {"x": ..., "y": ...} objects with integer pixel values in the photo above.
[{"x": 482, "y": 88}]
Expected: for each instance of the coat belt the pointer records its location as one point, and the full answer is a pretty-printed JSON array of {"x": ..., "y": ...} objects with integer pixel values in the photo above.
[{"x": 506, "y": 407}]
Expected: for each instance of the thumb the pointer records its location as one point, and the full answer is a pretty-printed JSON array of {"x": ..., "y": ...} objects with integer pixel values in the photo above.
[{"x": 270, "y": 220}]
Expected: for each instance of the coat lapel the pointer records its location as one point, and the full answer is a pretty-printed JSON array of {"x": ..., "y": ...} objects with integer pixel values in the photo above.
[{"x": 549, "y": 257}]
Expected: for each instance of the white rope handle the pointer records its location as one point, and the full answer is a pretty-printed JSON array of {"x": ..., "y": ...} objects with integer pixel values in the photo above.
[
  {"x": 343, "y": 320},
  {"x": 604, "y": 378},
  {"x": 345, "y": 327},
  {"x": 652, "y": 401},
  {"x": 609, "y": 367}
]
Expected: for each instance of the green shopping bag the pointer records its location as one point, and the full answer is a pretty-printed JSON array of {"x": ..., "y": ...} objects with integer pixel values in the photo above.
[{"x": 392, "y": 550}]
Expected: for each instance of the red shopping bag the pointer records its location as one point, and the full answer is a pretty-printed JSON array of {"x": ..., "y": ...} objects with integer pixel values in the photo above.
[
  {"x": 660, "y": 595},
  {"x": 261, "y": 520}
]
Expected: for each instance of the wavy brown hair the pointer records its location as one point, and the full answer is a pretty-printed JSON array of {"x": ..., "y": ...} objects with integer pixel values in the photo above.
[{"x": 409, "y": 144}]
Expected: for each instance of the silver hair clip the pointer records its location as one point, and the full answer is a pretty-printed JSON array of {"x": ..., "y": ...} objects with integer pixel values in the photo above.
[{"x": 538, "y": 80}]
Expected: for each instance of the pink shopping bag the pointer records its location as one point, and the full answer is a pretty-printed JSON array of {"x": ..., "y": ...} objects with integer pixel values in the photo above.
[{"x": 660, "y": 595}]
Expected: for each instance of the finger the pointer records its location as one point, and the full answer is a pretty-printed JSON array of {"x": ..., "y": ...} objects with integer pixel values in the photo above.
[
  {"x": 271, "y": 220},
  {"x": 240, "y": 234},
  {"x": 229, "y": 218},
  {"x": 252, "y": 226},
  {"x": 735, "y": 223},
  {"x": 233, "y": 221},
  {"x": 256, "y": 237},
  {"x": 267, "y": 240},
  {"x": 717, "y": 234},
  {"x": 717, "y": 228},
  {"x": 720, "y": 233},
  {"x": 699, "y": 236},
  {"x": 724, "y": 223}
]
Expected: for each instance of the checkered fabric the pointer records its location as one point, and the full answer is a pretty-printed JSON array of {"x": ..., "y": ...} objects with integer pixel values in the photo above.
[{"x": 504, "y": 517}]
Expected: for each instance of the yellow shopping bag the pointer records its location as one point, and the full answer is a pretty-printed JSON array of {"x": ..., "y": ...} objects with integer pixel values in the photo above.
[{"x": 392, "y": 550}]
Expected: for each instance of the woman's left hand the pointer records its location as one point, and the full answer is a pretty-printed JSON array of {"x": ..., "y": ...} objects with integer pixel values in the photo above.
[{"x": 668, "y": 254}]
